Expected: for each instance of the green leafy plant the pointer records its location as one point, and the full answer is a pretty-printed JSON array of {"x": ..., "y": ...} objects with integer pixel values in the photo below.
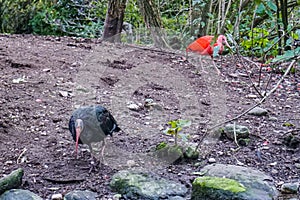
[
  {"x": 257, "y": 42},
  {"x": 73, "y": 18},
  {"x": 15, "y": 15},
  {"x": 176, "y": 127}
]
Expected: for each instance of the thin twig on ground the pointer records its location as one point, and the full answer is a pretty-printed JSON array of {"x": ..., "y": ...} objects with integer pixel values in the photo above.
[
  {"x": 291, "y": 131},
  {"x": 234, "y": 133},
  {"x": 249, "y": 109},
  {"x": 21, "y": 155},
  {"x": 253, "y": 85}
]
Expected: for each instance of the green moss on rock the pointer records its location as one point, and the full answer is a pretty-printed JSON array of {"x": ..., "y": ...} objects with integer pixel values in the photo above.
[
  {"x": 209, "y": 187},
  {"x": 220, "y": 183}
]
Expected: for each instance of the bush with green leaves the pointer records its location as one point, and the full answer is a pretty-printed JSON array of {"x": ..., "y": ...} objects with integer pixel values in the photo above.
[
  {"x": 15, "y": 15},
  {"x": 80, "y": 18},
  {"x": 257, "y": 43}
]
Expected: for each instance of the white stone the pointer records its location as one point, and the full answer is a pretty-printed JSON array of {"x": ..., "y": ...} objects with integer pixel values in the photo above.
[
  {"x": 133, "y": 106},
  {"x": 56, "y": 197}
]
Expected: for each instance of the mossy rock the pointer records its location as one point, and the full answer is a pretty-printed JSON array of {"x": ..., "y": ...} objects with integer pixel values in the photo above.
[
  {"x": 190, "y": 153},
  {"x": 19, "y": 194},
  {"x": 216, "y": 188},
  {"x": 169, "y": 153},
  {"x": 13, "y": 180},
  {"x": 141, "y": 185},
  {"x": 239, "y": 130}
]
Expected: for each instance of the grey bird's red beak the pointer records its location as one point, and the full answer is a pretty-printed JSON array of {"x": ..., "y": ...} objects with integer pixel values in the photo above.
[{"x": 78, "y": 131}]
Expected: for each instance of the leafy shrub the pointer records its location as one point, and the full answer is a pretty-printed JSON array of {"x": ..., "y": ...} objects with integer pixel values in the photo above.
[
  {"x": 81, "y": 18},
  {"x": 257, "y": 42},
  {"x": 15, "y": 15}
]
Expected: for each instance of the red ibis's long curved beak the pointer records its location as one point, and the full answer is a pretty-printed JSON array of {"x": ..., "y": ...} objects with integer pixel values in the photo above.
[
  {"x": 78, "y": 131},
  {"x": 226, "y": 43}
]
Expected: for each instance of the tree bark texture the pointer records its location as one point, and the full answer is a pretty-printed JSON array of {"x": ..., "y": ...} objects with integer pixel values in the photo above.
[
  {"x": 114, "y": 20},
  {"x": 153, "y": 21}
]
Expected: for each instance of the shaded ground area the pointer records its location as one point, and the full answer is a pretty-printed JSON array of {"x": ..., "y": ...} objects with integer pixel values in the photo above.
[{"x": 44, "y": 78}]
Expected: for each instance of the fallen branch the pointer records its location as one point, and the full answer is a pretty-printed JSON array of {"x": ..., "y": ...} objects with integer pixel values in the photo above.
[
  {"x": 234, "y": 133},
  {"x": 262, "y": 100},
  {"x": 253, "y": 85},
  {"x": 20, "y": 156},
  {"x": 249, "y": 109},
  {"x": 291, "y": 131}
]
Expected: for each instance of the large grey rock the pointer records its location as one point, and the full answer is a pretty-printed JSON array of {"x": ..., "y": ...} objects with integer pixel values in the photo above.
[
  {"x": 258, "y": 185},
  {"x": 139, "y": 185},
  {"x": 19, "y": 194},
  {"x": 80, "y": 195}
]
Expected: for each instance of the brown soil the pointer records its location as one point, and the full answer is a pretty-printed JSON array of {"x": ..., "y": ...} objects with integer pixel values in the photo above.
[{"x": 44, "y": 78}]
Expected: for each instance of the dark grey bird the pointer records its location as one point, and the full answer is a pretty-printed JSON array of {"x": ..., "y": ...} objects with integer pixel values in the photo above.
[{"x": 90, "y": 124}]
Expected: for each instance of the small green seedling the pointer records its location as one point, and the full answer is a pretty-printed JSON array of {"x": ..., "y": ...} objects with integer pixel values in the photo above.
[{"x": 176, "y": 127}]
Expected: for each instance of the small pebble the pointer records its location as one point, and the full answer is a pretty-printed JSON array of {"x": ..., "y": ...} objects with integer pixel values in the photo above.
[
  {"x": 274, "y": 119},
  {"x": 53, "y": 188},
  {"x": 46, "y": 70},
  {"x": 291, "y": 188},
  {"x": 251, "y": 96},
  {"x": 130, "y": 163},
  {"x": 56, "y": 197},
  {"x": 274, "y": 171},
  {"x": 133, "y": 107},
  {"x": 43, "y": 133},
  {"x": 273, "y": 164},
  {"x": 63, "y": 93},
  {"x": 265, "y": 147},
  {"x": 211, "y": 160},
  {"x": 297, "y": 165},
  {"x": 9, "y": 162}
]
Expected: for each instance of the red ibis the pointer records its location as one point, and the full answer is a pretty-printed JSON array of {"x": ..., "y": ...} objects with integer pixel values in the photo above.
[{"x": 204, "y": 46}]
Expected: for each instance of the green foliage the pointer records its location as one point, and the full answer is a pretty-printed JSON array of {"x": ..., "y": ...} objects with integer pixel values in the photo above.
[
  {"x": 288, "y": 124},
  {"x": 257, "y": 42},
  {"x": 176, "y": 127},
  {"x": 15, "y": 15},
  {"x": 287, "y": 56},
  {"x": 182, "y": 21},
  {"x": 132, "y": 14},
  {"x": 161, "y": 146},
  {"x": 70, "y": 17}
]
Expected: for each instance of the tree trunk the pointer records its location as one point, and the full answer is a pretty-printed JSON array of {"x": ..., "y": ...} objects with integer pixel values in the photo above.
[
  {"x": 284, "y": 14},
  {"x": 278, "y": 28},
  {"x": 153, "y": 22},
  {"x": 114, "y": 20}
]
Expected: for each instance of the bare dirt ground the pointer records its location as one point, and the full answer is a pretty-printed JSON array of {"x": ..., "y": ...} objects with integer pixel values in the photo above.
[{"x": 44, "y": 78}]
